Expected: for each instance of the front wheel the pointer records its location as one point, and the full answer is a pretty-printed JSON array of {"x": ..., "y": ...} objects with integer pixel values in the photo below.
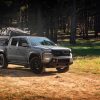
[
  {"x": 3, "y": 61},
  {"x": 36, "y": 66},
  {"x": 62, "y": 69}
]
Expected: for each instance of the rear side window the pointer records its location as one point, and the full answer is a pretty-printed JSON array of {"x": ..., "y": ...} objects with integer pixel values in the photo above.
[
  {"x": 14, "y": 41},
  {"x": 3, "y": 41}
]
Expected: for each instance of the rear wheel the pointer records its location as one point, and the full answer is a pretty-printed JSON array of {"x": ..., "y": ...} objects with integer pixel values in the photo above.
[
  {"x": 36, "y": 66},
  {"x": 62, "y": 69},
  {"x": 3, "y": 61}
]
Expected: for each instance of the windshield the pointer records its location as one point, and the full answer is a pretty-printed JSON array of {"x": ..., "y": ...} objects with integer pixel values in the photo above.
[{"x": 41, "y": 41}]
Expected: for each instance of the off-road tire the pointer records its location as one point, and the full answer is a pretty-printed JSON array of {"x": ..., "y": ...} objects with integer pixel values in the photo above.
[
  {"x": 36, "y": 65},
  {"x": 3, "y": 61}
]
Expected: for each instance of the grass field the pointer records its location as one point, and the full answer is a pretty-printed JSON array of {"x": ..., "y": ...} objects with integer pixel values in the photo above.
[
  {"x": 81, "y": 82},
  {"x": 86, "y": 64},
  {"x": 86, "y": 55}
]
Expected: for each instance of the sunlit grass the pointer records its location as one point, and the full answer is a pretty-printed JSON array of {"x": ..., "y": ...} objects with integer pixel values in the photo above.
[
  {"x": 86, "y": 54},
  {"x": 86, "y": 64}
]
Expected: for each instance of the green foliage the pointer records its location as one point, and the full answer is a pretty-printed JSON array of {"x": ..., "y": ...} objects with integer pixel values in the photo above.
[
  {"x": 84, "y": 47},
  {"x": 86, "y": 51}
]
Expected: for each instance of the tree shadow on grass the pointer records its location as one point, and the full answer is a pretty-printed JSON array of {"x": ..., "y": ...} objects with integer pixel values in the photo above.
[
  {"x": 86, "y": 52},
  {"x": 47, "y": 98}
]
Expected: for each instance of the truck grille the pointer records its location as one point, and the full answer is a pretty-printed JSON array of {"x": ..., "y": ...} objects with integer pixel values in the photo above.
[{"x": 60, "y": 53}]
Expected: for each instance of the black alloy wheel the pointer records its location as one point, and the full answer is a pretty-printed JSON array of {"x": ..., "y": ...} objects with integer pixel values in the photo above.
[{"x": 36, "y": 65}]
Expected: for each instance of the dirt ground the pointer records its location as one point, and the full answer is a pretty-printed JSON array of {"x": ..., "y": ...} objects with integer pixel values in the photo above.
[{"x": 18, "y": 83}]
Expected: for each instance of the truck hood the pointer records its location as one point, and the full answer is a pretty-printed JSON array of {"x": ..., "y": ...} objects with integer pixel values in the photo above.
[{"x": 52, "y": 47}]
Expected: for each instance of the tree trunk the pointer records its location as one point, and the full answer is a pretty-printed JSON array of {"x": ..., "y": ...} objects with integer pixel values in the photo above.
[
  {"x": 73, "y": 24},
  {"x": 96, "y": 25}
]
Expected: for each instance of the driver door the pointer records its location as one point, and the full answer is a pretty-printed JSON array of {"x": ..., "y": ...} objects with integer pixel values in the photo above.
[{"x": 22, "y": 51}]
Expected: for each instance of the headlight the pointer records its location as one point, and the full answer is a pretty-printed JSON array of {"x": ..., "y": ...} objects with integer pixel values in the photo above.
[{"x": 47, "y": 57}]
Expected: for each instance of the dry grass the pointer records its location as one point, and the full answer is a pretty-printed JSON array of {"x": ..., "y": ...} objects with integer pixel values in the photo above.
[
  {"x": 82, "y": 82},
  {"x": 18, "y": 83},
  {"x": 87, "y": 64}
]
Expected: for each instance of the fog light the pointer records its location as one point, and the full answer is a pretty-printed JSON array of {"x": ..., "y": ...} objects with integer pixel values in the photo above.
[{"x": 47, "y": 57}]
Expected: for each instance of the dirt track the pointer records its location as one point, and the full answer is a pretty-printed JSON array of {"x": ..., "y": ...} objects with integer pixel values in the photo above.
[{"x": 18, "y": 83}]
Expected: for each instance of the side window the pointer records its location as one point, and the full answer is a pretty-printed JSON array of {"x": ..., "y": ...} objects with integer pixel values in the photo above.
[
  {"x": 3, "y": 42},
  {"x": 14, "y": 41},
  {"x": 21, "y": 41}
]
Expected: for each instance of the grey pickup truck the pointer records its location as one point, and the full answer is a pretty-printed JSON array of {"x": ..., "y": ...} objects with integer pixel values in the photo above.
[{"x": 35, "y": 52}]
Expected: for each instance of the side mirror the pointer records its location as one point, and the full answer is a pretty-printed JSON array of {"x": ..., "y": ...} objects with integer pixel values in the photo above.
[{"x": 25, "y": 45}]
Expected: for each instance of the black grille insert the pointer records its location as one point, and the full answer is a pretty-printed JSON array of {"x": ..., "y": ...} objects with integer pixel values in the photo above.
[{"x": 61, "y": 52}]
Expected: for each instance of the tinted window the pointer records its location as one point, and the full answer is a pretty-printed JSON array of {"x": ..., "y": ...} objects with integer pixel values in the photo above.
[
  {"x": 3, "y": 41},
  {"x": 14, "y": 41},
  {"x": 22, "y": 40}
]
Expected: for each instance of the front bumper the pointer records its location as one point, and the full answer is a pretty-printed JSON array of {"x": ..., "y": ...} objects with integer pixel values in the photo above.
[{"x": 60, "y": 61}]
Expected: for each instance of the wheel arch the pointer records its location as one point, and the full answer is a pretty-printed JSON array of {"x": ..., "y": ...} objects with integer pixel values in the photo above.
[
  {"x": 5, "y": 60},
  {"x": 1, "y": 52},
  {"x": 34, "y": 55}
]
